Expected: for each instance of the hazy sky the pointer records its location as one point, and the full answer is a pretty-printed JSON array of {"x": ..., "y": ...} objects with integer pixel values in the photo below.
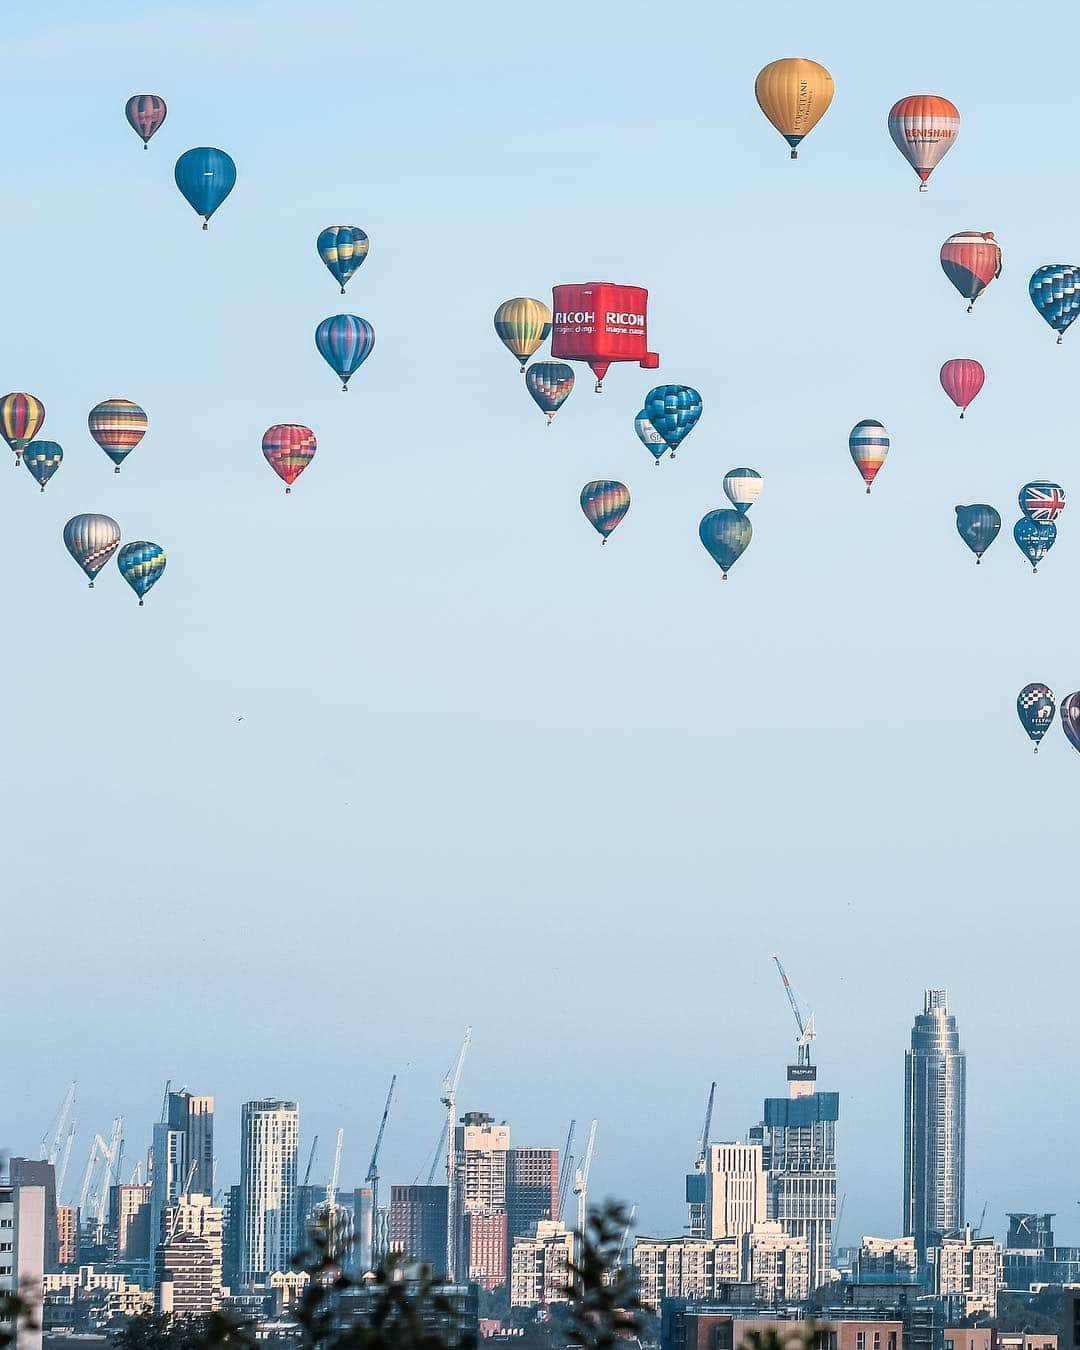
[{"x": 408, "y": 749}]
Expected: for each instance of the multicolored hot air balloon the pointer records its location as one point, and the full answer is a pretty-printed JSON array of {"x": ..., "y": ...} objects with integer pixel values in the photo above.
[
  {"x": 145, "y": 114},
  {"x": 91, "y": 540},
  {"x": 794, "y": 94},
  {"x": 550, "y": 384},
  {"x": 523, "y": 326},
  {"x": 962, "y": 378},
  {"x": 345, "y": 341},
  {"x": 1042, "y": 501},
  {"x": 923, "y": 128},
  {"x": 1035, "y": 708},
  {"x": 1055, "y": 293},
  {"x": 118, "y": 425},
  {"x": 742, "y": 487},
  {"x": 649, "y": 437},
  {"x": 1034, "y": 540},
  {"x": 726, "y": 535},
  {"x": 43, "y": 459},
  {"x": 978, "y": 527},
  {"x": 1070, "y": 718},
  {"x": 205, "y": 176},
  {"x": 971, "y": 261},
  {"x": 869, "y": 444},
  {"x": 674, "y": 410},
  {"x": 141, "y": 564},
  {"x": 21, "y": 418},
  {"x": 289, "y": 448},
  {"x": 343, "y": 248},
  {"x": 605, "y": 502}
]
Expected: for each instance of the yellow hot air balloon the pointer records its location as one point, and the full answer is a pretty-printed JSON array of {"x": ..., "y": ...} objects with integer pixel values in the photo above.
[
  {"x": 794, "y": 94},
  {"x": 522, "y": 325}
]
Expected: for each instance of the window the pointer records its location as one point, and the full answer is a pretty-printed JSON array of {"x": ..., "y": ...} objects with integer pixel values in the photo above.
[{"x": 860, "y": 1341}]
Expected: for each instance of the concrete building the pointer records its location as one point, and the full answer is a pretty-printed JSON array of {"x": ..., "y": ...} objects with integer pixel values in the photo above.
[
  {"x": 37, "y": 1172},
  {"x": 23, "y": 1219},
  {"x": 707, "y": 1326},
  {"x": 532, "y": 1189},
  {"x": 269, "y": 1137},
  {"x": 482, "y": 1149},
  {"x": 540, "y": 1265},
  {"x": 688, "y": 1268},
  {"x": 182, "y": 1154},
  {"x": 935, "y": 1076},
  {"x": 192, "y": 1216},
  {"x": 968, "y": 1270},
  {"x": 417, "y": 1226},
  {"x": 67, "y": 1228},
  {"x": 776, "y": 1263},
  {"x": 129, "y": 1219},
  {"x": 886, "y": 1260},
  {"x": 186, "y": 1281},
  {"x": 735, "y": 1190},
  {"x": 88, "y": 1299}
]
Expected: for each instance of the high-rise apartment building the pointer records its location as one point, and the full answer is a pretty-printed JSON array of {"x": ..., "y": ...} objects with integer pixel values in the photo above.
[
  {"x": 969, "y": 1270},
  {"x": 540, "y": 1266},
  {"x": 417, "y": 1226},
  {"x": 481, "y": 1153},
  {"x": 37, "y": 1172},
  {"x": 687, "y": 1268},
  {"x": 886, "y": 1260},
  {"x": 532, "y": 1189},
  {"x": 23, "y": 1222},
  {"x": 129, "y": 1219},
  {"x": 194, "y": 1268},
  {"x": 67, "y": 1227},
  {"x": 733, "y": 1190},
  {"x": 269, "y": 1138},
  {"x": 934, "y": 1125},
  {"x": 777, "y": 1264},
  {"x": 182, "y": 1154}
]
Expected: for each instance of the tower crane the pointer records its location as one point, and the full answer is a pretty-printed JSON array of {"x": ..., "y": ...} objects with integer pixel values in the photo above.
[
  {"x": 706, "y": 1129},
  {"x": 625, "y": 1234},
  {"x": 565, "y": 1172},
  {"x": 91, "y": 1163},
  {"x": 111, "y": 1160},
  {"x": 372, "y": 1179},
  {"x": 448, "y": 1097},
  {"x": 184, "y": 1191},
  {"x": 65, "y": 1158},
  {"x": 439, "y": 1149},
  {"x": 805, "y": 1022},
  {"x": 50, "y": 1146},
  {"x": 581, "y": 1180},
  {"x": 311, "y": 1159},
  {"x": 335, "y": 1175}
]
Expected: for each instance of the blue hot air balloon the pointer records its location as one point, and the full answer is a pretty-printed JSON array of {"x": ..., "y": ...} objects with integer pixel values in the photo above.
[
  {"x": 726, "y": 535},
  {"x": 1055, "y": 293},
  {"x": 342, "y": 248},
  {"x": 649, "y": 437},
  {"x": 345, "y": 342},
  {"x": 1042, "y": 500},
  {"x": 1034, "y": 540},
  {"x": 43, "y": 458},
  {"x": 550, "y": 384},
  {"x": 206, "y": 177},
  {"x": 141, "y": 564},
  {"x": 1035, "y": 708},
  {"x": 673, "y": 409},
  {"x": 978, "y": 527}
]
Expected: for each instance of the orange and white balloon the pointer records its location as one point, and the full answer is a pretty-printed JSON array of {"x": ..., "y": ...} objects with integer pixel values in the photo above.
[{"x": 924, "y": 128}]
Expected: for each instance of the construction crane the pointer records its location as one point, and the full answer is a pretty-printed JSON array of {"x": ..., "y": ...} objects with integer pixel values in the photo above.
[
  {"x": 440, "y": 1148},
  {"x": 982, "y": 1219},
  {"x": 372, "y": 1179},
  {"x": 805, "y": 1022},
  {"x": 626, "y": 1233},
  {"x": 565, "y": 1172},
  {"x": 184, "y": 1192},
  {"x": 51, "y": 1140},
  {"x": 448, "y": 1097},
  {"x": 335, "y": 1175},
  {"x": 311, "y": 1159},
  {"x": 706, "y": 1130},
  {"x": 65, "y": 1158},
  {"x": 581, "y": 1180},
  {"x": 112, "y": 1160},
  {"x": 88, "y": 1174}
]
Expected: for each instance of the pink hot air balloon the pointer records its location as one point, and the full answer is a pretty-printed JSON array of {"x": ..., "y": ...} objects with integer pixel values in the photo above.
[{"x": 962, "y": 378}]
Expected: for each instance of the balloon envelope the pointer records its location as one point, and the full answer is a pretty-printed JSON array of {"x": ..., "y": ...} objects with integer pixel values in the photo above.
[
  {"x": 674, "y": 410},
  {"x": 648, "y": 435},
  {"x": 118, "y": 425},
  {"x": 1055, "y": 293},
  {"x": 43, "y": 458},
  {"x": 345, "y": 341},
  {"x": 794, "y": 94},
  {"x": 21, "y": 418},
  {"x": 605, "y": 502},
  {"x": 923, "y": 128},
  {"x": 342, "y": 248},
  {"x": 550, "y": 384},
  {"x": 141, "y": 564},
  {"x": 978, "y": 527},
  {"x": 289, "y": 448},
  {"x": 1042, "y": 501},
  {"x": 1070, "y": 718},
  {"x": 971, "y": 261},
  {"x": 523, "y": 325},
  {"x": 869, "y": 444},
  {"x": 1034, "y": 540},
  {"x": 91, "y": 540},
  {"x": 742, "y": 487},
  {"x": 145, "y": 114},
  {"x": 725, "y": 535},
  {"x": 962, "y": 378},
  {"x": 1035, "y": 708},
  {"x": 205, "y": 176}
]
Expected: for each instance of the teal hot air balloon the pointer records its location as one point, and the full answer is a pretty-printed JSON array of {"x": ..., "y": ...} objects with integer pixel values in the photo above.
[
  {"x": 141, "y": 564},
  {"x": 726, "y": 534},
  {"x": 342, "y": 248},
  {"x": 345, "y": 341},
  {"x": 1035, "y": 708},
  {"x": 978, "y": 527},
  {"x": 205, "y": 176},
  {"x": 649, "y": 437},
  {"x": 42, "y": 458},
  {"x": 550, "y": 384},
  {"x": 674, "y": 410},
  {"x": 1034, "y": 539}
]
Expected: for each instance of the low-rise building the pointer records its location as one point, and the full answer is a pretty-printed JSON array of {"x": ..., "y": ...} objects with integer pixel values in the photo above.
[
  {"x": 686, "y": 1268},
  {"x": 706, "y": 1326},
  {"x": 88, "y": 1299},
  {"x": 540, "y": 1266},
  {"x": 776, "y": 1263},
  {"x": 894, "y": 1260}
]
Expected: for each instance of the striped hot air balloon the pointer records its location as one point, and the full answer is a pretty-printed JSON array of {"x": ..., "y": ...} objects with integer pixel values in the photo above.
[
  {"x": 924, "y": 127},
  {"x": 145, "y": 114},
  {"x": 605, "y": 502},
  {"x": 342, "y": 248},
  {"x": 1055, "y": 293},
  {"x": 523, "y": 326},
  {"x": 742, "y": 487},
  {"x": 91, "y": 540},
  {"x": 43, "y": 458},
  {"x": 869, "y": 444},
  {"x": 21, "y": 418},
  {"x": 289, "y": 448},
  {"x": 345, "y": 341},
  {"x": 118, "y": 425},
  {"x": 141, "y": 563},
  {"x": 971, "y": 261},
  {"x": 794, "y": 94},
  {"x": 962, "y": 378},
  {"x": 1070, "y": 718}
]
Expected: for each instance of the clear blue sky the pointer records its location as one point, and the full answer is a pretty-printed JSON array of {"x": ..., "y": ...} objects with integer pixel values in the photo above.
[{"x": 487, "y": 771}]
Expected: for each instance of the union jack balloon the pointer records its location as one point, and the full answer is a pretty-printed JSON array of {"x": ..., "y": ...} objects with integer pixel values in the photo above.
[{"x": 1042, "y": 502}]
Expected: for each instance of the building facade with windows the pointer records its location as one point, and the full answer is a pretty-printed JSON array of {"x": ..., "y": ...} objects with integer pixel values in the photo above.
[
  {"x": 935, "y": 1112},
  {"x": 269, "y": 1139}
]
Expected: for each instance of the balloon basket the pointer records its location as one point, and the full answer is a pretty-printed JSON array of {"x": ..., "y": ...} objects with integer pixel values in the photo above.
[
  {"x": 91, "y": 585},
  {"x": 344, "y": 388},
  {"x": 116, "y": 468},
  {"x": 971, "y": 306},
  {"x": 287, "y": 491},
  {"x": 1036, "y": 749},
  {"x": 43, "y": 489},
  {"x": 141, "y": 603},
  {"x": 725, "y": 576},
  {"x": 923, "y": 187},
  {"x": 868, "y": 489},
  {"x": 656, "y": 462},
  {"x": 978, "y": 562},
  {"x": 961, "y": 417},
  {"x": 794, "y": 154},
  {"x": 1060, "y": 335},
  {"x": 603, "y": 541},
  {"x": 206, "y": 224},
  {"x": 343, "y": 290}
]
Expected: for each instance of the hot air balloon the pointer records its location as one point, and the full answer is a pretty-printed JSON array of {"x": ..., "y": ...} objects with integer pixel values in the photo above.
[
  {"x": 523, "y": 326},
  {"x": 345, "y": 342},
  {"x": 289, "y": 448},
  {"x": 601, "y": 323},
  {"x": 343, "y": 248},
  {"x": 605, "y": 502},
  {"x": 145, "y": 114},
  {"x": 649, "y": 437},
  {"x": 794, "y": 94},
  {"x": 726, "y": 535},
  {"x": 924, "y": 127},
  {"x": 962, "y": 378},
  {"x": 205, "y": 176},
  {"x": 978, "y": 527},
  {"x": 742, "y": 488},
  {"x": 1034, "y": 540},
  {"x": 91, "y": 540},
  {"x": 43, "y": 459},
  {"x": 118, "y": 425},
  {"x": 1035, "y": 708},
  {"x": 1070, "y": 718},
  {"x": 971, "y": 262},
  {"x": 1042, "y": 501},
  {"x": 673, "y": 409},
  {"x": 141, "y": 564},
  {"x": 550, "y": 384},
  {"x": 1055, "y": 293},
  {"x": 869, "y": 444},
  {"x": 21, "y": 418}
]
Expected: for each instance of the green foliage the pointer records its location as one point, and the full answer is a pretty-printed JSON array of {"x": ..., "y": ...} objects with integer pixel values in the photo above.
[
  {"x": 166, "y": 1331},
  {"x": 604, "y": 1304},
  {"x": 800, "y": 1336}
]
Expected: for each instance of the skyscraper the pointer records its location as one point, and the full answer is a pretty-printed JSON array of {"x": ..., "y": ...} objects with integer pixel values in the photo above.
[
  {"x": 934, "y": 1125},
  {"x": 417, "y": 1227},
  {"x": 481, "y": 1149},
  {"x": 182, "y": 1154},
  {"x": 532, "y": 1189},
  {"x": 269, "y": 1136}
]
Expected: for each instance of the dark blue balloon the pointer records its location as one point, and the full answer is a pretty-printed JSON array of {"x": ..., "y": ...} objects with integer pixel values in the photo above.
[
  {"x": 726, "y": 535},
  {"x": 1035, "y": 708},
  {"x": 673, "y": 409},
  {"x": 206, "y": 177},
  {"x": 978, "y": 527},
  {"x": 1034, "y": 539}
]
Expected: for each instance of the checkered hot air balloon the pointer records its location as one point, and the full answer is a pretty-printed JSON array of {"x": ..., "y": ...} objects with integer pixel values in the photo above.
[
  {"x": 726, "y": 535},
  {"x": 1055, "y": 293},
  {"x": 674, "y": 410},
  {"x": 289, "y": 448},
  {"x": 1035, "y": 708},
  {"x": 43, "y": 458},
  {"x": 550, "y": 384},
  {"x": 141, "y": 564},
  {"x": 145, "y": 114}
]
